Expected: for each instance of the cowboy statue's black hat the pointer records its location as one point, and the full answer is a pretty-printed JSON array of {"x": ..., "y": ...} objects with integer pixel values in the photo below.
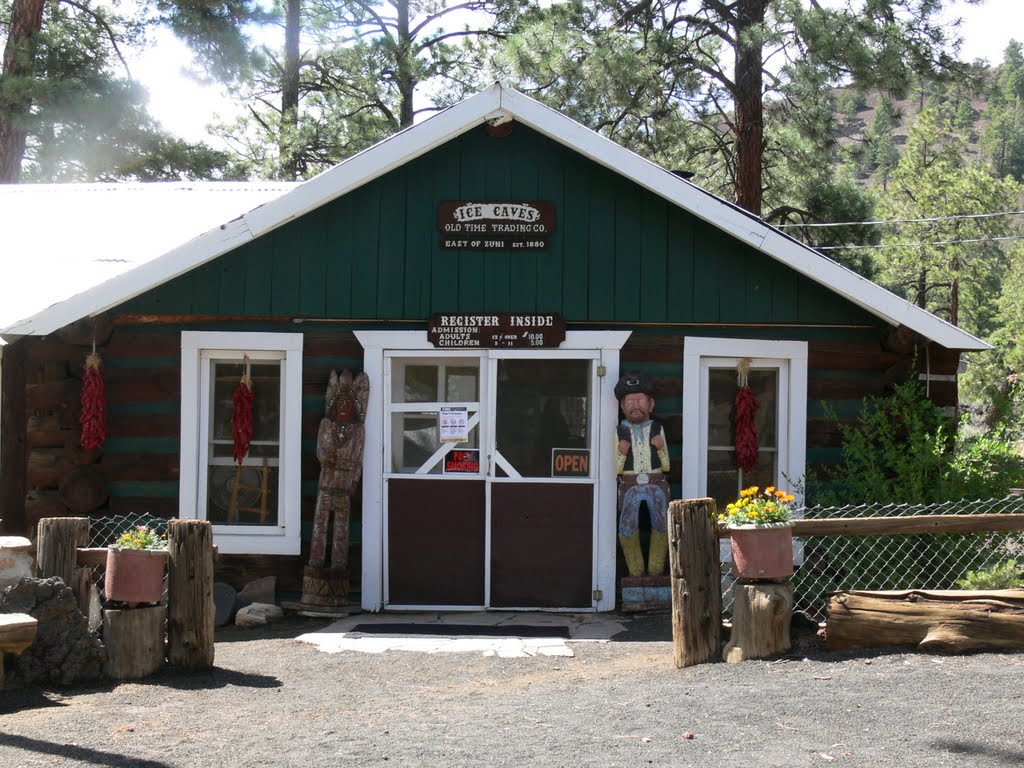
[{"x": 632, "y": 383}]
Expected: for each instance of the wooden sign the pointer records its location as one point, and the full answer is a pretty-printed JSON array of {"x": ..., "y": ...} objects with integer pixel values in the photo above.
[
  {"x": 503, "y": 225},
  {"x": 570, "y": 462},
  {"x": 496, "y": 331},
  {"x": 462, "y": 462}
]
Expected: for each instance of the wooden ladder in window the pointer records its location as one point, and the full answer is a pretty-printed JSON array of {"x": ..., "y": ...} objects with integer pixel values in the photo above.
[{"x": 263, "y": 488}]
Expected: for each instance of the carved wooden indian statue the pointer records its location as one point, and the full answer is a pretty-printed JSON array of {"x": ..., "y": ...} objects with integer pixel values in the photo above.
[{"x": 339, "y": 448}]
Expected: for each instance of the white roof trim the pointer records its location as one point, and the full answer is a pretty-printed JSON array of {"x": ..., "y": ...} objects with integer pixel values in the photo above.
[{"x": 497, "y": 103}]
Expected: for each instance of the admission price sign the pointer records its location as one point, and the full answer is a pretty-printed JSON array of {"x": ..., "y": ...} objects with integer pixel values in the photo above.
[{"x": 497, "y": 331}]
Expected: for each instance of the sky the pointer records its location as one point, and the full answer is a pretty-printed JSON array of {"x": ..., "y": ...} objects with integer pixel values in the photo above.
[{"x": 185, "y": 107}]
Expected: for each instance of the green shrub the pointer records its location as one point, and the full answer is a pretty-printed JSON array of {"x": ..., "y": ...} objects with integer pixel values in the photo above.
[
  {"x": 903, "y": 450},
  {"x": 1006, "y": 575}
]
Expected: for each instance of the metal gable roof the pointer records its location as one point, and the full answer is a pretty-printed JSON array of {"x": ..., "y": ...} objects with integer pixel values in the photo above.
[
  {"x": 60, "y": 239},
  {"x": 496, "y": 103}
]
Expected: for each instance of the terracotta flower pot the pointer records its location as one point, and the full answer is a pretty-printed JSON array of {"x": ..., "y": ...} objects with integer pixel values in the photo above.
[
  {"x": 135, "y": 575},
  {"x": 762, "y": 551}
]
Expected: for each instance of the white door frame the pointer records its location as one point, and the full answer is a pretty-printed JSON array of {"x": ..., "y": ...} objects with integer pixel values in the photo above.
[
  {"x": 698, "y": 352},
  {"x": 375, "y": 344}
]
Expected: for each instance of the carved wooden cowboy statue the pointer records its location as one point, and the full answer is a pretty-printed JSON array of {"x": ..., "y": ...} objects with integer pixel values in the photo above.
[
  {"x": 339, "y": 448},
  {"x": 641, "y": 462}
]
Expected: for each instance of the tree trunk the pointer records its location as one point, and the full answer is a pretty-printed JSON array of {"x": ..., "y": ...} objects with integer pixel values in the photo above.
[
  {"x": 696, "y": 581},
  {"x": 933, "y": 620},
  {"x": 749, "y": 104},
  {"x": 290, "y": 93},
  {"x": 761, "y": 617},
  {"x": 190, "y": 607},
  {"x": 406, "y": 82},
  {"x": 18, "y": 64}
]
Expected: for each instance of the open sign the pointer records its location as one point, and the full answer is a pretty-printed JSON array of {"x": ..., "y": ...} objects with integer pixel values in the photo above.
[{"x": 570, "y": 462}]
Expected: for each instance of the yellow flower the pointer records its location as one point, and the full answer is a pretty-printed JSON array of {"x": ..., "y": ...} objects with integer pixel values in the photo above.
[
  {"x": 770, "y": 489},
  {"x": 790, "y": 498}
]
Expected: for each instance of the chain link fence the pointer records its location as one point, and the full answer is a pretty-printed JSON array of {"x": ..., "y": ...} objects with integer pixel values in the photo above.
[
  {"x": 917, "y": 561},
  {"x": 104, "y": 531}
]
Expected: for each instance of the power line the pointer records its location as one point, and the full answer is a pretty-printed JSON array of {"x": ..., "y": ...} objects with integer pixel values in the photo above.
[
  {"x": 916, "y": 245},
  {"x": 902, "y": 221}
]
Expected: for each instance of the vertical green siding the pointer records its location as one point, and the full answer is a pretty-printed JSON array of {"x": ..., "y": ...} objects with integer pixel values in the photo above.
[{"x": 619, "y": 253}]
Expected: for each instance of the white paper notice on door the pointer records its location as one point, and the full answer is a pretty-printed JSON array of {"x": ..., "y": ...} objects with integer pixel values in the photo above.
[{"x": 454, "y": 425}]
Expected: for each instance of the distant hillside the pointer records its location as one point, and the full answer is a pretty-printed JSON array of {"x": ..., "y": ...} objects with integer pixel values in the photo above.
[{"x": 856, "y": 114}]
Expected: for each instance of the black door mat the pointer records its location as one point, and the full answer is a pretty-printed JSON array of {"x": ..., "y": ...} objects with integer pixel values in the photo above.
[{"x": 461, "y": 630}]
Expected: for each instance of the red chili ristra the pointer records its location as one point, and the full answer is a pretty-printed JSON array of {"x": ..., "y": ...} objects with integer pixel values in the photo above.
[
  {"x": 746, "y": 429},
  {"x": 242, "y": 424},
  {"x": 94, "y": 404}
]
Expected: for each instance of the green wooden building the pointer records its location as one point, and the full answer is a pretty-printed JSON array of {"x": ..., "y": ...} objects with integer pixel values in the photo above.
[{"x": 491, "y": 270}]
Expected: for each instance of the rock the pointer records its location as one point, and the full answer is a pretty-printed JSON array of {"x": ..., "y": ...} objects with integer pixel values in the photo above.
[
  {"x": 224, "y": 597},
  {"x": 257, "y": 614},
  {"x": 259, "y": 591},
  {"x": 15, "y": 560},
  {"x": 65, "y": 651}
]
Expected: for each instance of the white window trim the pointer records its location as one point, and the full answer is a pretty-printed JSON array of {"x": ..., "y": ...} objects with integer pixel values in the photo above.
[
  {"x": 794, "y": 353},
  {"x": 200, "y": 346},
  {"x": 375, "y": 343}
]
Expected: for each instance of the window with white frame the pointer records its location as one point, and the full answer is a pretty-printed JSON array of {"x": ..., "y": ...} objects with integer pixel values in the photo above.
[
  {"x": 254, "y": 504},
  {"x": 778, "y": 376}
]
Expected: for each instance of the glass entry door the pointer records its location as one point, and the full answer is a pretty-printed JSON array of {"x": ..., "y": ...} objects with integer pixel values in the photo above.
[{"x": 490, "y": 473}]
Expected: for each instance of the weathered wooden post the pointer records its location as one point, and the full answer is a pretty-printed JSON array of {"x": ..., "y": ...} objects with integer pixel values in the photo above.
[
  {"x": 58, "y": 540},
  {"x": 190, "y": 607},
  {"x": 696, "y": 581},
  {"x": 135, "y": 641},
  {"x": 761, "y": 618}
]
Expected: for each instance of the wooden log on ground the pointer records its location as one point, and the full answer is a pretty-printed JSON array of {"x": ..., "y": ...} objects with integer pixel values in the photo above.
[
  {"x": 59, "y": 538},
  {"x": 762, "y": 614},
  {"x": 696, "y": 581},
  {"x": 949, "y": 621},
  {"x": 190, "y": 607},
  {"x": 134, "y": 638}
]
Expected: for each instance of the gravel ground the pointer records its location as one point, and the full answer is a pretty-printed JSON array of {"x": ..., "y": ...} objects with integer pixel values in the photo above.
[{"x": 271, "y": 701}]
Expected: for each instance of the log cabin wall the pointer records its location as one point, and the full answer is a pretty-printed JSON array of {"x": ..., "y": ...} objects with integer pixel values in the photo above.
[{"x": 139, "y": 462}]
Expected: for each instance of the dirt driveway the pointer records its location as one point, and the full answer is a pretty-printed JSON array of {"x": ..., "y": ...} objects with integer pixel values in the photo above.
[{"x": 271, "y": 701}]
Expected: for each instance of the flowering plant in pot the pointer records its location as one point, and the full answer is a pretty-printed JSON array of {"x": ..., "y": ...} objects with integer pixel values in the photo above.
[
  {"x": 135, "y": 566},
  {"x": 760, "y": 524}
]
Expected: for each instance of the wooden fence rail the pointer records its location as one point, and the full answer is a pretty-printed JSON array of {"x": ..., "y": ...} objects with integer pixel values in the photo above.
[
  {"x": 905, "y": 525},
  {"x": 691, "y": 557}
]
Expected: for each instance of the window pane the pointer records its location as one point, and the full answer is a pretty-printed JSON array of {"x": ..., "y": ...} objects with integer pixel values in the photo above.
[
  {"x": 266, "y": 381},
  {"x": 245, "y": 495},
  {"x": 542, "y": 404},
  {"x": 766, "y": 387},
  {"x": 723, "y": 478},
  {"x": 722, "y": 400},
  {"x": 462, "y": 383},
  {"x": 415, "y": 438},
  {"x": 419, "y": 384}
]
